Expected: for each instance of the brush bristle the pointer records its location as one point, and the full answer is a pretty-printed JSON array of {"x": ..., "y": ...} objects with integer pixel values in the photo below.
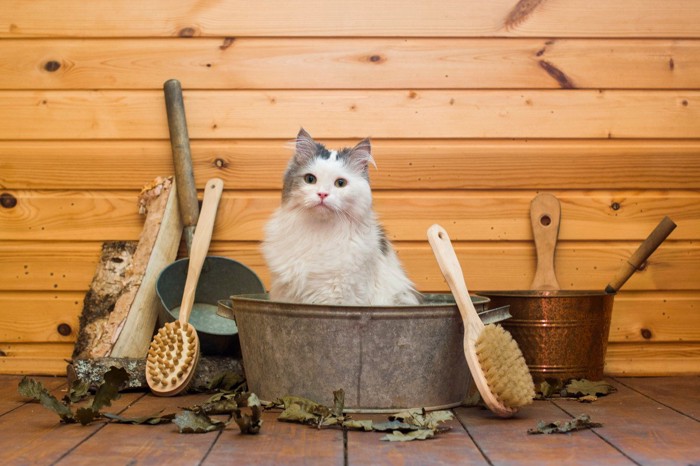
[
  {"x": 504, "y": 367},
  {"x": 170, "y": 355}
]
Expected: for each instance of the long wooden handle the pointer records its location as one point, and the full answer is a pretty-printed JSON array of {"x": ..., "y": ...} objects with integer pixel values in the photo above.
[
  {"x": 545, "y": 218},
  {"x": 653, "y": 241},
  {"x": 182, "y": 159},
  {"x": 200, "y": 244},
  {"x": 449, "y": 266}
]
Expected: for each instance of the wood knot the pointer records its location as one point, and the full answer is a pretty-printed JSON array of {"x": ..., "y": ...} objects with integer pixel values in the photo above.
[
  {"x": 376, "y": 58},
  {"x": 228, "y": 42},
  {"x": 7, "y": 200},
  {"x": 562, "y": 79},
  {"x": 187, "y": 32},
  {"x": 615, "y": 206},
  {"x": 51, "y": 66},
  {"x": 220, "y": 163},
  {"x": 64, "y": 329},
  {"x": 646, "y": 334}
]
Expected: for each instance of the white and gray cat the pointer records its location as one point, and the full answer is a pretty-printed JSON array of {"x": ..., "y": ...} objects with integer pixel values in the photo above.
[{"x": 324, "y": 245}]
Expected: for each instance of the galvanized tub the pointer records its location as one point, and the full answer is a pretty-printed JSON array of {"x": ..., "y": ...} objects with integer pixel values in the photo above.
[
  {"x": 563, "y": 334},
  {"x": 384, "y": 358}
]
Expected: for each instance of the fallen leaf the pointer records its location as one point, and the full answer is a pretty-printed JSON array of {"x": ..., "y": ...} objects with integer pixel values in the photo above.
[
  {"x": 365, "y": 425},
  {"x": 86, "y": 415},
  {"x": 585, "y": 387},
  {"x": 248, "y": 424},
  {"x": 338, "y": 402},
  {"x": 191, "y": 422},
  {"x": 226, "y": 381},
  {"x": 394, "y": 425},
  {"x": 152, "y": 419},
  {"x": 30, "y": 388},
  {"x": 423, "y": 419},
  {"x": 108, "y": 391},
  {"x": 472, "y": 400},
  {"x": 580, "y": 422},
  {"x": 398, "y": 436},
  {"x": 304, "y": 403},
  {"x": 297, "y": 413},
  {"x": 78, "y": 390},
  {"x": 416, "y": 422},
  {"x": 545, "y": 389},
  {"x": 222, "y": 406}
]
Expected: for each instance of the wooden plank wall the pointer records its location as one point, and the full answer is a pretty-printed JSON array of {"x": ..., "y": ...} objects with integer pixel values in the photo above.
[{"x": 474, "y": 108}]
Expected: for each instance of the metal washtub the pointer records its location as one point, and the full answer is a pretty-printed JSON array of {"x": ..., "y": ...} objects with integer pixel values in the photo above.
[{"x": 384, "y": 358}]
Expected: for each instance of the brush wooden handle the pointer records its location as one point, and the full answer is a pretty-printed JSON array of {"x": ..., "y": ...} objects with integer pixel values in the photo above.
[
  {"x": 545, "y": 218},
  {"x": 449, "y": 266},
  {"x": 182, "y": 159},
  {"x": 473, "y": 326},
  {"x": 200, "y": 244},
  {"x": 646, "y": 249}
]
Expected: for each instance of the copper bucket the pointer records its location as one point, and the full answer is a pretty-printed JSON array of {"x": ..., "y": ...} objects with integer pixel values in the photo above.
[{"x": 563, "y": 334}]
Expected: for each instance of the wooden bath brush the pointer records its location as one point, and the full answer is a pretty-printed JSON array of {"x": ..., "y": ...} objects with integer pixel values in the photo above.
[
  {"x": 494, "y": 358},
  {"x": 174, "y": 351}
]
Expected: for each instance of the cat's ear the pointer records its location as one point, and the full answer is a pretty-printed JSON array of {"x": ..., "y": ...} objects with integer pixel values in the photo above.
[
  {"x": 305, "y": 148},
  {"x": 361, "y": 155}
]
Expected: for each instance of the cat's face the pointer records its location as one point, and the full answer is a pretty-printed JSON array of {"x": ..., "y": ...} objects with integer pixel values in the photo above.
[{"x": 329, "y": 184}]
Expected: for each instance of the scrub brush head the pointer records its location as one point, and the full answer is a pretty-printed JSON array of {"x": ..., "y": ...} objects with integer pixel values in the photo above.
[
  {"x": 504, "y": 367},
  {"x": 172, "y": 358}
]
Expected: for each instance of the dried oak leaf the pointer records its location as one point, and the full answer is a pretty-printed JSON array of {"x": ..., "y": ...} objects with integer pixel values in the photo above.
[
  {"x": 108, "y": 391},
  {"x": 394, "y": 425},
  {"x": 248, "y": 423},
  {"x": 297, "y": 413},
  {"x": 580, "y": 422},
  {"x": 583, "y": 387},
  {"x": 152, "y": 419},
  {"x": 78, "y": 390},
  {"x": 196, "y": 422},
  {"x": 546, "y": 389},
  {"x": 30, "y": 388},
  {"x": 423, "y": 419},
  {"x": 221, "y": 406},
  {"x": 226, "y": 381},
  {"x": 303, "y": 410},
  {"x": 398, "y": 436},
  {"x": 365, "y": 425}
]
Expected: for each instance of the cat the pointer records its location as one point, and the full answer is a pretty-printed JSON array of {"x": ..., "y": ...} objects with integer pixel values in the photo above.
[{"x": 324, "y": 244}]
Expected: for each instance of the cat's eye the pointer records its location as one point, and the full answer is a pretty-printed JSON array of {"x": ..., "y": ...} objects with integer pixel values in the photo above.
[
  {"x": 341, "y": 182},
  {"x": 309, "y": 178}
]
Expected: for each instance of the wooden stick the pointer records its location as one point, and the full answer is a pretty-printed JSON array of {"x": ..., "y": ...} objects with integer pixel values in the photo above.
[
  {"x": 634, "y": 263},
  {"x": 182, "y": 159}
]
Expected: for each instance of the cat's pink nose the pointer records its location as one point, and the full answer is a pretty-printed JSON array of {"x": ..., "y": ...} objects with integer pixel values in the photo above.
[{"x": 322, "y": 195}]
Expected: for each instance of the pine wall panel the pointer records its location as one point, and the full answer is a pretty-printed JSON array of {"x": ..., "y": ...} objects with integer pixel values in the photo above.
[{"x": 474, "y": 108}]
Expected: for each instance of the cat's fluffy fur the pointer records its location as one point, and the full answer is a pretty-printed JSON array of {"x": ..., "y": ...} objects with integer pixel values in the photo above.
[{"x": 324, "y": 244}]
